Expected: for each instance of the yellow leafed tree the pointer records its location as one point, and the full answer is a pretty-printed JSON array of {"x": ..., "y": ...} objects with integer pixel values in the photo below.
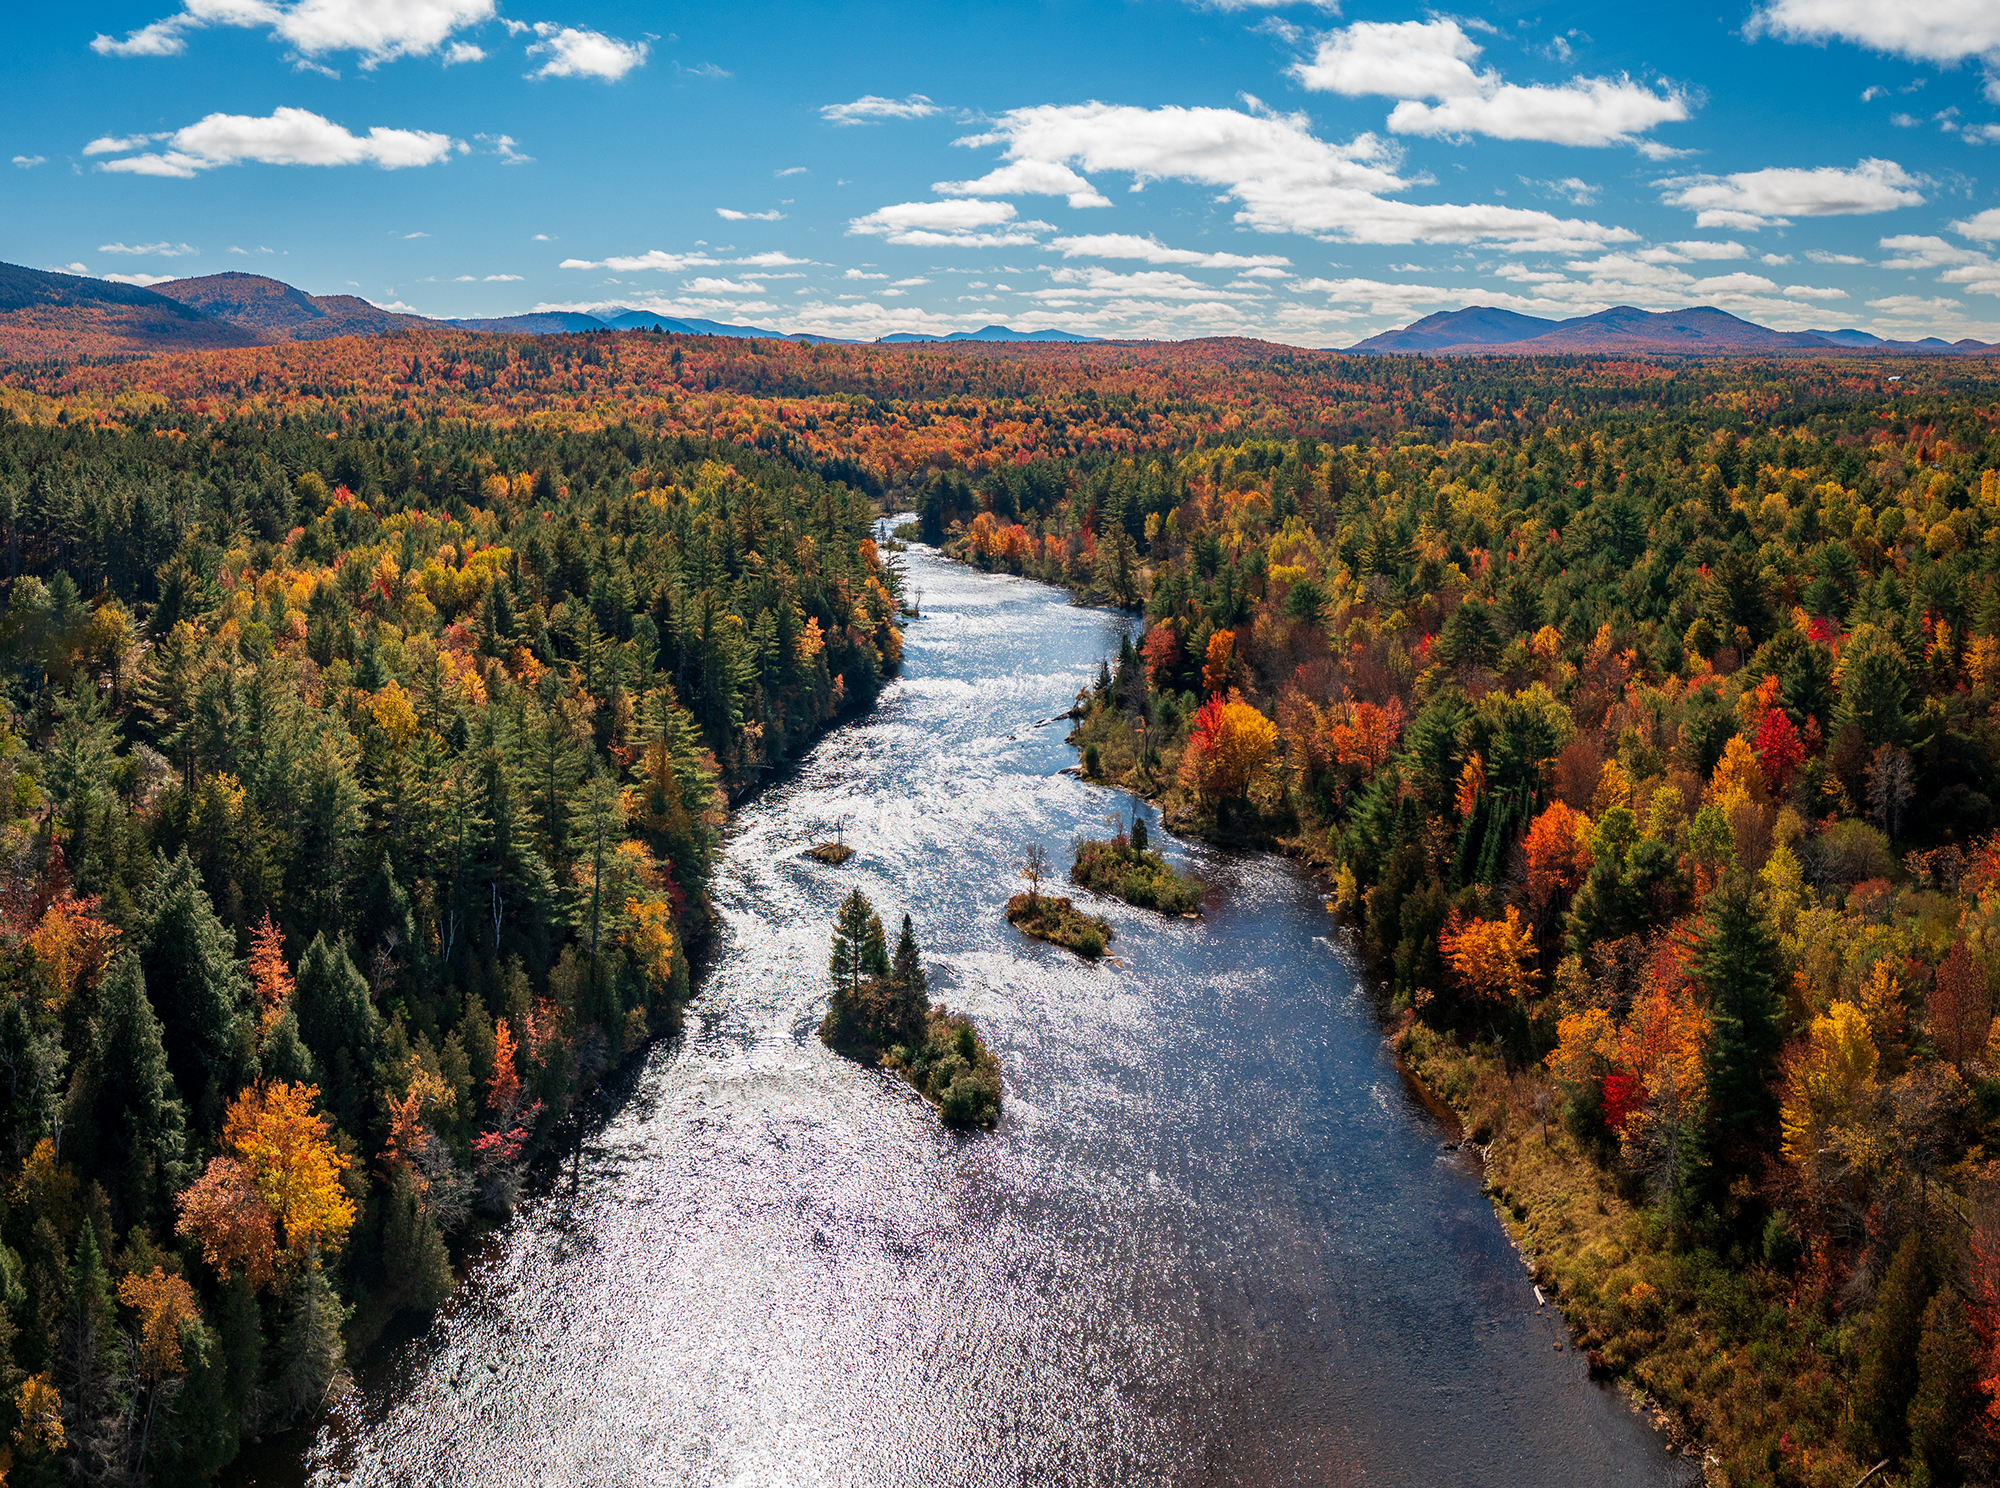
[{"x": 1495, "y": 959}]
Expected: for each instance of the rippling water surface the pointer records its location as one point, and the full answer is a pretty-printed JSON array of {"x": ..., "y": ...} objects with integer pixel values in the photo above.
[{"x": 1214, "y": 1240}]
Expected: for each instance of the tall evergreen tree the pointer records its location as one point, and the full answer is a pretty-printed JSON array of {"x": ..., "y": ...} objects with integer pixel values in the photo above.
[
  {"x": 130, "y": 1119},
  {"x": 339, "y": 1027},
  {"x": 202, "y": 995},
  {"x": 311, "y": 1351},
  {"x": 1888, "y": 1375},
  {"x": 860, "y": 950},
  {"x": 1739, "y": 967},
  {"x": 911, "y": 1000}
]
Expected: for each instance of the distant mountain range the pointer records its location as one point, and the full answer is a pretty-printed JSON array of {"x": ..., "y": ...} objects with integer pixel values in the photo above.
[
  {"x": 1483, "y": 330},
  {"x": 47, "y": 314}
]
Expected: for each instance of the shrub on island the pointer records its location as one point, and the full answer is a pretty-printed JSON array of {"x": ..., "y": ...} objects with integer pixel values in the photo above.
[{"x": 1123, "y": 866}]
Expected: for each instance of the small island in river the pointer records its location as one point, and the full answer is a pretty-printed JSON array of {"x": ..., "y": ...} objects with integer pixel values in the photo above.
[
  {"x": 881, "y": 1013},
  {"x": 1052, "y": 918},
  {"x": 1124, "y": 865}
]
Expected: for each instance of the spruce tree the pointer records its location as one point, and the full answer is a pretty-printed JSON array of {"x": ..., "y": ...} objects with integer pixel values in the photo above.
[
  {"x": 241, "y": 1330},
  {"x": 860, "y": 950},
  {"x": 1947, "y": 1397},
  {"x": 133, "y": 1124},
  {"x": 413, "y": 1252},
  {"x": 1888, "y": 1375},
  {"x": 911, "y": 1001},
  {"x": 1738, "y": 966},
  {"x": 339, "y": 1027},
  {"x": 311, "y": 1352},
  {"x": 189, "y": 959}
]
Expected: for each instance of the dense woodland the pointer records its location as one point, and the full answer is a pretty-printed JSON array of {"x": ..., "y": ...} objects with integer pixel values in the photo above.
[
  {"x": 363, "y": 786},
  {"x": 371, "y": 708}
]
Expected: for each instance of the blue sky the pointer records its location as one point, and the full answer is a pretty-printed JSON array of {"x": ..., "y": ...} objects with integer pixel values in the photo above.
[{"x": 1301, "y": 172}]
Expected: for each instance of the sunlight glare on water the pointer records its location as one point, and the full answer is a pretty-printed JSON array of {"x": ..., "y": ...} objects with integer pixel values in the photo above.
[{"x": 1214, "y": 1240}]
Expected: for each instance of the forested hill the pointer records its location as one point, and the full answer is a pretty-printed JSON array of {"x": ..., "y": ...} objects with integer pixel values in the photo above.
[{"x": 362, "y": 786}]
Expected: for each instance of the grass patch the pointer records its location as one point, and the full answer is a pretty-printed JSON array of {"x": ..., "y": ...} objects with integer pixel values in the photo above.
[
  {"x": 1737, "y": 1354},
  {"x": 1048, "y": 917}
]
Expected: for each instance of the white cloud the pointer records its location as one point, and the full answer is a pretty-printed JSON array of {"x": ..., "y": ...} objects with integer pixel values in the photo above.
[
  {"x": 721, "y": 286},
  {"x": 144, "y": 281},
  {"x": 790, "y": 170},
  {"x": 1818, "y": 256},
  {"x": 1909, "y": 306},
  {"x": 1284, "y": 178},
  {"x": 1028, "y": 178},
  {"x": 770, "y": 260},
  {"x": 290, "y": 136},
  {"x": 1774, "y": 259},
  {"x": 1694, "y": 248},
  {"x": 1983, "y": 227},
  {"x": 1417, "y": 60},
  {"x": 1398, "y": 300},
  {"x": 503, "y": 279},
  {"x": 379, "y": 30},
  {"x": 1916, "y": 252},
  {"x": 1152, "y": 250},
  {"x": 29, "y": 162},
  {"x": 1772, "y": 197},
  {"x": 110, "y": 144},
  {"x": 1942, "y": 31},
  {"x": 729, "y": 214},
  {"x": 151, "y": 250},
  {"x": 858, "y": 274},
  {"x": 575, "y": 52},
  {"x": 963, "y": 224},
  {"x": 674, "y": 263},
  {"x": 506, "y": 147},
  {"x": 870, "y": 109},
  {"x": 463, "y": 51},
  {"x": 1808, "y": 292},
  {"x": 1096, "y": 283},
  {"x": 70, "y": 268},
  {"x": 909, "y": 283}
]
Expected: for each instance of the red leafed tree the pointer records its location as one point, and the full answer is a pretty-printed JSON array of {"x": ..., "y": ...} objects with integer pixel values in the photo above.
[
  {"x": 1961, "y": 1008},
  {"x": 1780, "y": 751},
  {"x": 1162, "y": 652},
  {"x": 223, "y": 1210},
  {"x": 1624, "y": 1093}
]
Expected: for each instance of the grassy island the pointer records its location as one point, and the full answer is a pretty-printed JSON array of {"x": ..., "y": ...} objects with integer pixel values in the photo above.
[
  {"x": 833, "y": 854},
  {"x": 1123, "y": 865},
  {"x": 881, "y": 1014},
  {"x": 1051, "y": 918}
]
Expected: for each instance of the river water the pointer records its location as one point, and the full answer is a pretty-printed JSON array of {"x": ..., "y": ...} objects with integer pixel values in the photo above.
[{"x": 1214, "y": 1239}]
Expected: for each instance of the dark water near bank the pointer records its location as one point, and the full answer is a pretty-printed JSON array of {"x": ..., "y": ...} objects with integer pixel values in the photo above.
[{"x": 1214, "y": 1241}]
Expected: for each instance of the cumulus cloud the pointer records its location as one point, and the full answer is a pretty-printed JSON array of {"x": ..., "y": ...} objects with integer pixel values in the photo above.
[
  {"x": 1028, "y": 178},
  {"x": 969, "y": 223},
  {"x": 503, "y": 279},
  {"x": 144, "y": 281},
  {"x": 1772, "y": 197},
  {"x": 1282, "y": 176},
  {"x": 151, "y": 250},
  {"x": 870, "y": 109},
  {"x": 1982, "y": 228},
  {"x": 575, "y": 52},
  {"x": 730, "y": 214},
  {"x": 1432, "y": 60},
  {"x": 290, "y": 136},
  {"x": 379, "y": 30},
  {"x": 1941, "y": 31},
  {"x": 1818, "y": 256},
  {"x": 1694, "y": 249},
  {"x": 29, "y": 162},
  {"x": 1152, "y": 250}
]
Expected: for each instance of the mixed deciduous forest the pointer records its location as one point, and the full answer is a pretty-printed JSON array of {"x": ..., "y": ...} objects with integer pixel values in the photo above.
[{"x": 371, "y": 709}]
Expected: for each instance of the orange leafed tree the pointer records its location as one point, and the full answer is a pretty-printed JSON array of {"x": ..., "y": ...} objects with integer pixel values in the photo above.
[
  {"x": 1557, "y": 856},
  {"x": 1215, "y": 667},
  {"x": 503, "y": 1091},
  {"x": 268, "y": 972},
  {"x": 72, "y": 944},
  {"x": 1230, "y": 742},
  {"x": 224, "y": 1212},
  {"x": 278, "y": 1153},
  {"x": 1495, "y": 959},
  {"x": 1363, "y": 735},
  {"x": 163, "y": 1304},
  {"x": 1960, "y": 1007}
]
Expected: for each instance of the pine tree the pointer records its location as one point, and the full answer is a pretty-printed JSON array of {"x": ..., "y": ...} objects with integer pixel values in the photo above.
[
  {"x": 311, "y": 1352},
  {"x": 860, "y": 950},
  {"x": 1888, "y": 1375},
  {"x": 911, "y": 1001},
  {"x": 86, "y": 1362},
  {"x": 201, "y": 993},
  {"x": 132, "y": 1117},
  {"x": 1947, "y": 1397},
  {"x": 242, "y": 1340},
  {"x": 339, "y": 1027},
  {"x": 1739, "y": 968},
  {"x": 413, "y": 1252}
]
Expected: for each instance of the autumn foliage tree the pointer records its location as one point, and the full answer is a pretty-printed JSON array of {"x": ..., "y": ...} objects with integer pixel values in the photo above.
[
  {"x": 275, "y": 1192},
  {"x": 1494, "y": 960},
  {"x": 1229, "y": 744}
]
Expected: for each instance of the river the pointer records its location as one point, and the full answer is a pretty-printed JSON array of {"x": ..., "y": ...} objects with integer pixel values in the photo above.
[{"x": 1214, "y": 1240}]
